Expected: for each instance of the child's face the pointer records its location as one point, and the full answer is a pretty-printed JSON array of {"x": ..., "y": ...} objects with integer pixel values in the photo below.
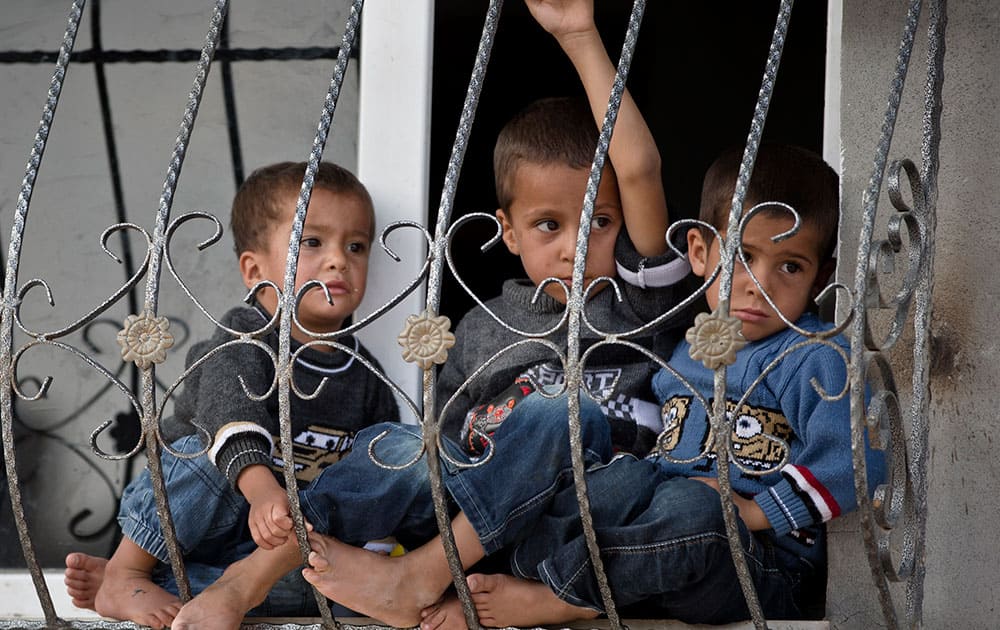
[
  {"x": 543, "y": 220},
  {"x": 790, "y": 271},
  {"x": 334, "y": 250}
]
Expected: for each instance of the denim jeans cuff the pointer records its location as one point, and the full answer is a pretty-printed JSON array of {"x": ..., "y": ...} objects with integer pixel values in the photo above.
[
  {"x": 564, "y": 590},
  {"x": 149, "y": 538}
]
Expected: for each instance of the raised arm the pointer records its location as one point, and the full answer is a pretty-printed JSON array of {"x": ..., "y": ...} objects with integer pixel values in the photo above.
[{"x": 633, "y": 152}]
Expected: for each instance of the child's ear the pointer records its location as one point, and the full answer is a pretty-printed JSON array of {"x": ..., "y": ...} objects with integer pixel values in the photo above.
[
  {"x": 509, "y": 238},
  {"x": 250, "y": 269},
  {"x": 697, "y": 252}
]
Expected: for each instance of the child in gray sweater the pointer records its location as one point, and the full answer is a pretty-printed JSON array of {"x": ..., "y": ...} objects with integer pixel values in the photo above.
[{"x": 230, "y": 500}]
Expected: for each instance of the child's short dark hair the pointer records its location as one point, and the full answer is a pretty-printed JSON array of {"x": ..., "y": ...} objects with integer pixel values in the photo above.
[
  {"x": 261, "y": 200},
  {"x": 557, "y": 130},
  {"x": 785, "y": 173}
]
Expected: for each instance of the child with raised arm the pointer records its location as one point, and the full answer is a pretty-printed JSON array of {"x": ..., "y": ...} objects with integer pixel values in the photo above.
[
  {"x": 231, "y": 499},
  {"x": 542, "y": 162}
]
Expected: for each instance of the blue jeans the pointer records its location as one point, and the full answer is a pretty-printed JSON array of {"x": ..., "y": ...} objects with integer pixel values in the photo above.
[
  {"x": 664, "y": 547},
  {"x": 210, "y": 520},
  {"x": 358, "y": 500},
  {"x": 663, "y": 539}
]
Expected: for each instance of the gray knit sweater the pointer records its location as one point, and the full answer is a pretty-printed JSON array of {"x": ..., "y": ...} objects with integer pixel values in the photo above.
[
  {"x": 623, "y": 372},
  {"x": 245, "y": 431}
]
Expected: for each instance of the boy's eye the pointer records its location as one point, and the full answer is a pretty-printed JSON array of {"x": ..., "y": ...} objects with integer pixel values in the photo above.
[
  {"x": 547, "y": 226},
  {"x": 309, "y": 242},
  {"x": 600, "y": 222},
  {"x": 357, "y": 248},
  {"x": 791, "y": 267}
]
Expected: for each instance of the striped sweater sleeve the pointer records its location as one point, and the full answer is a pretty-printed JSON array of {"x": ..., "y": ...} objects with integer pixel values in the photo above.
[{"x": 817, "y": 483}]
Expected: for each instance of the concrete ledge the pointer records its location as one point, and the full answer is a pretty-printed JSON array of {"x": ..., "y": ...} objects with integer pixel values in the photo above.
[
  {"x": 19, "y": 608},
  {"x": 18, "y": 598}
]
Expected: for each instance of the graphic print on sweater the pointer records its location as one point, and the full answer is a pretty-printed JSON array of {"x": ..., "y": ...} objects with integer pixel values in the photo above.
[
  {"x": 314, "y": 449},
  {"x": 754, "y": 430},
  {"x": 601, "y": 385}
]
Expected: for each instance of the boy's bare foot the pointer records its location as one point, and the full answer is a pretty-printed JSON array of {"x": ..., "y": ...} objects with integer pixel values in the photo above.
[
  {"x": 503, "y": 601},
  {"x": 222, "y": 605},
  {"x": 83, "y": 577},
  {"x": 392, "y": 590},
  {"x": 444, "y": 614},
  {"x": 243, "y": 585},
  {"x": 131, "y": 595}
]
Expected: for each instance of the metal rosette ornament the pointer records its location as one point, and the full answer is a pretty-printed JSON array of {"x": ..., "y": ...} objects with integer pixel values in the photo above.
[
  {"x": 426, "y": 339},
  {"x": 715, "y": 339},
  {"x": 145, "y": 339}
]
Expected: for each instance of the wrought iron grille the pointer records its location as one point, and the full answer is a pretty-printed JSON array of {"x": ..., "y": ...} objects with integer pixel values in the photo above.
[{"x": 898, "y": 510}]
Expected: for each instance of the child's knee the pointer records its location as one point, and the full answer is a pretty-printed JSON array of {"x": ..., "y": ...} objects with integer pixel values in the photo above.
[
  {"x": 389, "y": 443},
  {"x": 548, "y": 418}
]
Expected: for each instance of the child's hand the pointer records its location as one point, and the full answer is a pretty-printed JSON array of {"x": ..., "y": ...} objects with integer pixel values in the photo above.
[
  {"x": 563, "y": 18},
  {"x": 270, "y": 518},
  {"x": 271, "y": 521},
  {"x": 748, "y": 510}
]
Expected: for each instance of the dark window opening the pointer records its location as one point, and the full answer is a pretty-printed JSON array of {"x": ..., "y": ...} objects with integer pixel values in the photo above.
[{"x": 695, "y": 75}]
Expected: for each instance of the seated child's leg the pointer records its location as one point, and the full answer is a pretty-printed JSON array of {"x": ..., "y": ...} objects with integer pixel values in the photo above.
[
  {"x": 206, "y": 514},
  {"x": 356, "y": 500},
  {"x": 663, "y": 542},
  {"x": 206, "y": 510},
  {"x": 530, "y": 463}
]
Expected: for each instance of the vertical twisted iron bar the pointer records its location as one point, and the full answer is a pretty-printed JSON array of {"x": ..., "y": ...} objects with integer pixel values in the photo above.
[
  {"x": 575, "y": 304},
  {"x": 10, "y": 304},
  {"x": 431, "y": 427},
  {"x": 920, "y": 405},
  {"x": 720, "y": 422},
  {"x": 859, "y": 349},
  {"x": 148, "y": 395},
  {"x": 288, "y": 293}
]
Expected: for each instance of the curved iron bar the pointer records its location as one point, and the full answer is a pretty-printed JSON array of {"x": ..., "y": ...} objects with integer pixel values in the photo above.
[
  {"x": 894, "y": 499},
  {"x": 207, "y": 439},
  {"x": 887, "y": 249},
  {"x": 387, "y": 305},
  {"x": 101, "y": 308},
  {"x": 10, "y": 304},
  {"x": 85, "y": 405},
  {"x": 838, "y": 327},
  {"x": 920, "y": 405},
  {"x": 396, "y": 389},
  {"x": 906, "y": 497},
  {"x": 288, "y": 293},
  {"x": 488, "y": 454},
  {"x": 46, "y": 383},
  {"x": 449, "y": 239},
  {"x": 672, "y": 312}
]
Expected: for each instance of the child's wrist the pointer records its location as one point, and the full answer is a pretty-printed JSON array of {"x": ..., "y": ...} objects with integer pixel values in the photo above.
[{"x": 572, "y": 40}]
